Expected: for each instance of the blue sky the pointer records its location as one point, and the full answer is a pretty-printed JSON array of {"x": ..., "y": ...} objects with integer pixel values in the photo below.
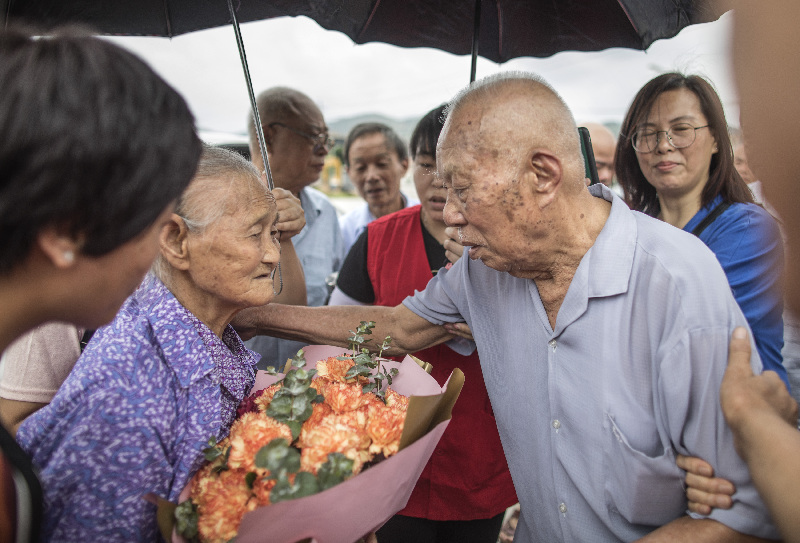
[{"x": 347, "y": 79}]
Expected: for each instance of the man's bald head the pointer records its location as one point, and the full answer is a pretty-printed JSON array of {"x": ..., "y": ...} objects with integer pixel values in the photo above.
[
  {"x": 294, "y": 129},
  {"x": 280, "y": 104},
  {"x": 604, "y": 145},
  {"x": 514, "y": 113}
]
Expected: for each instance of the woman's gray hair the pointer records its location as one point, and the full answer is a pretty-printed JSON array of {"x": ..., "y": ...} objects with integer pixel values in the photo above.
[{"x": 200, "y": 205}]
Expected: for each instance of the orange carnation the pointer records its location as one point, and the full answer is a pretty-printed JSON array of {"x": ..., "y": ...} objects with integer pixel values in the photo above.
[
  {"x": 334, "y": 370},
  {"x": 342, "y": 397},
  {"x": 226, "y": 500},
  {"x": 263, "y": 401},
  {"x": 332, "y": 435},
  {"x": 248, "y": 434},
  {"x": 385, "y": 427},
  {"x": 395, "y": 400}
]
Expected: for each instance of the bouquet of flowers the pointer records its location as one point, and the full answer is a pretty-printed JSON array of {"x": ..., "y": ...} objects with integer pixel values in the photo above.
[{"x": 300, "y": 441}]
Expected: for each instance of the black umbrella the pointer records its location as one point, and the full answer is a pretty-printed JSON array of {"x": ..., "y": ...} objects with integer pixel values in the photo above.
[{"x": 497, "y": 29}]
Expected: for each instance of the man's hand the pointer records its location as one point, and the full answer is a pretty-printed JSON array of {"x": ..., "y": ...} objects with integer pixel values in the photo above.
[
  {"x": 452, "y": 246},
  {"x": 459, "y": 329},
  {"x": 744, "y": 396},
  {"x": 703, "y": 490},
  {"x": 291, "y": 218}
]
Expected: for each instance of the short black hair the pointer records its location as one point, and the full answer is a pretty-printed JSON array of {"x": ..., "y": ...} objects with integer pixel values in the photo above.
[
  {"x": 393, "y": 141},
  {"x": 91, "y": 140},
  {"x": 426, "y": 133}
]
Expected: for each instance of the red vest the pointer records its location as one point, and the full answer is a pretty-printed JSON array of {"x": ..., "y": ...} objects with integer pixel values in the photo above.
[{"x": 467, "y": 476}]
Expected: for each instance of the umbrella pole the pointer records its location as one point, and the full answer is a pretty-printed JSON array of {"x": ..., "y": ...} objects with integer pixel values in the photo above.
[
  {"x": 476, "y": 35},
  {"x": 256, "y": 117},
  {"x": 259, "y": 129}
]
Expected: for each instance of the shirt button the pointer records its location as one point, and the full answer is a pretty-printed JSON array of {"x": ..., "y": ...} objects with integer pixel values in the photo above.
[
  {"x": 556, "y": 424},
  {"x": 552, "y": 344},
  {"x": 562, "y": 507}
]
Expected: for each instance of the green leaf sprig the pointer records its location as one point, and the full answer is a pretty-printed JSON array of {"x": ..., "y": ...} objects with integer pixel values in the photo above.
[
  {"x": 186, "y": 521},
  {"x": 366, "y": 362},
  {"x": 293, "y": 405},
  {"x": 216, "y": 453},
  {"x": 294, "y": 402}
]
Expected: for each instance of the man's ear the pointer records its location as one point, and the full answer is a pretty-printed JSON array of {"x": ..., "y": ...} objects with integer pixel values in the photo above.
[
  {"x": 60, "y": 246},
  {"x": 548, "y": 172},
  {"x": 174, "y": 242}
]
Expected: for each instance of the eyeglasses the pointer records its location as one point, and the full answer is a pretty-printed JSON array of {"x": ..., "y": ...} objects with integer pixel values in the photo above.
[
  {"x": 679, "y": 136},
  {"x": 319, "y": 140}
]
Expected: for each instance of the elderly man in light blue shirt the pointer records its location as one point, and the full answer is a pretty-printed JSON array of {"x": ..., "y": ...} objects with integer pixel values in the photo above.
[
  {"x": 297, "y": 143},
  {"x": 603, "y": 333}
]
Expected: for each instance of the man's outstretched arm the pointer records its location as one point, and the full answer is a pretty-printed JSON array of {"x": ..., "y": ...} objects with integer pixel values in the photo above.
[{"x": 331, "y": 325}]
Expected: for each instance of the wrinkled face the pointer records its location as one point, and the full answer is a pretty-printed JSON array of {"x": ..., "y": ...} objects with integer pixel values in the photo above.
[
  {"x": 116, "y": 275},
  {"x": 741, "y": 165},
  {"x": 295, "y": 160},
  {"x": 232, "y": 260},
  {"x": 431, "y": 193},
  {"x": 376, "y": 171},
  {"x": 488, "y": 197},
  {"x": 675, "y": 172}
]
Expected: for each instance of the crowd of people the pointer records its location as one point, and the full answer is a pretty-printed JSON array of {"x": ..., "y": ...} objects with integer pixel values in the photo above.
[{"x": 625, "y": 344}]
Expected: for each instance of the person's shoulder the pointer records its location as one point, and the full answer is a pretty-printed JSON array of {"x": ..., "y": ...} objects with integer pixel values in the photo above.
[
  {"x": 352, "y": 222},
  {"x": 401, "y": 215},
  {"x": 750, "y": 216},
  {"x": 318, "y": 198},
  {"x": 664, "y": 250}
]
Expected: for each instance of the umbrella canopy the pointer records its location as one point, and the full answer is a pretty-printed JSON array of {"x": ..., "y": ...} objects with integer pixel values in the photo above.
[{"x": 507, "y": 28}]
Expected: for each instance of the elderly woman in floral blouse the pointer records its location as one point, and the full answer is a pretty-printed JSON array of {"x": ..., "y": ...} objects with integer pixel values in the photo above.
[{"x": 168, "y": 373}]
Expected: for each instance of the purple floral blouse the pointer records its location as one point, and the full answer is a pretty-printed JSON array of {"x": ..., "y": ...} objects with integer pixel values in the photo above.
[{"x": 133, "y": 417}]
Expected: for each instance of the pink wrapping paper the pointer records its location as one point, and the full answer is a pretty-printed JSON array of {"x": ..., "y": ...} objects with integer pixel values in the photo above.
[{"x": 362, "y": 504}]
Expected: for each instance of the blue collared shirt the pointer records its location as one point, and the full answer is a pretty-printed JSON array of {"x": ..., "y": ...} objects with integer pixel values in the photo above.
[
  {"x": 133, "y": 417},
  {"x": 592, "y": 413},
  {"x": 320, "y": 248},
  {"x": 747, "y": 242}
]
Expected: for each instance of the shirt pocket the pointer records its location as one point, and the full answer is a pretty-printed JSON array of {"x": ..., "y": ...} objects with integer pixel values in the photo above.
[{"x": 643, "y": 489}]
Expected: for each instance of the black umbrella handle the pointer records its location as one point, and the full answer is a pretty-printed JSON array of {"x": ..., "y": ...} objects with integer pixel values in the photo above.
[{"x": 256, "y": 117}]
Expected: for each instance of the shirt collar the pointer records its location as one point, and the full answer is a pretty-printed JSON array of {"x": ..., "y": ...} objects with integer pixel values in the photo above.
[
  {"x": 196, "y": 357},
  {"x": 608, "y": 263}
]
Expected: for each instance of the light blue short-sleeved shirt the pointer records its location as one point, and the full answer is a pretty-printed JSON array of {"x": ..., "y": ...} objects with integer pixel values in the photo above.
[
  {"x": 592, "y": 413},
  {"x": 320, "y": 248}
]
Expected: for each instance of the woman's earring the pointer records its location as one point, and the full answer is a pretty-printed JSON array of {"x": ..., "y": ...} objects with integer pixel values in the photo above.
[{"x": 69, "y": 256}]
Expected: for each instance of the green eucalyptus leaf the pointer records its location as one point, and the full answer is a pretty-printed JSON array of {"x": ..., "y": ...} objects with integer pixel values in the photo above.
[
  {"x": 336, "y": 469},
  {"x": 299, "y": 359},
  {"x": 369, "y": 387},
  {"x": 276, "y": 456},
  {"x": 250, "y": 478},
  {"x": 295, "y": 427},
  {"x": 282, "y": 490},
  {"x": 186, "y": 520},
  {"x": 280, "y": 408},
  {"x": 311, "y": 395},
  {"x": 212, "y": 453}
]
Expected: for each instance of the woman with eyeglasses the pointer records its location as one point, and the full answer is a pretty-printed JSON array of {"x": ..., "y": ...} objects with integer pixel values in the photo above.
[{"x": 675, "y": 162}]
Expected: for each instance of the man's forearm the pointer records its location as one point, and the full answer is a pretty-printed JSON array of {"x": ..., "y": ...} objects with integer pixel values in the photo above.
[
  {"x": 698, "y": 531},
  {"x": 331, "y": 325},
  {"x": 771, "y": 448}
]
